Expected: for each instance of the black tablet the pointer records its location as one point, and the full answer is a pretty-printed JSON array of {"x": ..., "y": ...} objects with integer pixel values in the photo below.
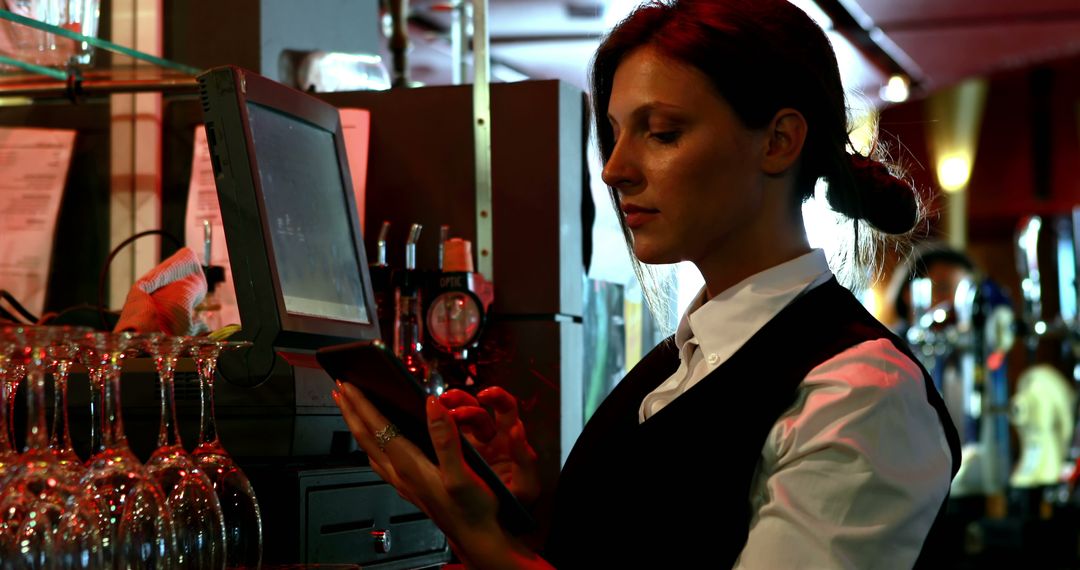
[{"x": 373, "y": 367}]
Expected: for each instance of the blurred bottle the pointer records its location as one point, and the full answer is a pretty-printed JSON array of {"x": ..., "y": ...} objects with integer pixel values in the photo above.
[{"x": 44, "y": 48}]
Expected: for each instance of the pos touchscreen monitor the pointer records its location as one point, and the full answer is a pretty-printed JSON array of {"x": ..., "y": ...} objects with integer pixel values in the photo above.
[{"x": 289, "y": 214}]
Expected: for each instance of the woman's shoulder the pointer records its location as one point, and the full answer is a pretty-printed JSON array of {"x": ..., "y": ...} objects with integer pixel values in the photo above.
[
  {"x": 875, "y": 364},
  {"x": 869, "y": 389}
]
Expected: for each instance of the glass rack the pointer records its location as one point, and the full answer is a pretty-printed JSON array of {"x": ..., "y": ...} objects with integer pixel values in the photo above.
[{"x": 41, "y": 60}]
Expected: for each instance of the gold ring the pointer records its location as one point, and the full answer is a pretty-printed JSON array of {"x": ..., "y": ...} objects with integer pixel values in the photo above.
[{"x": 383, "y": 436}]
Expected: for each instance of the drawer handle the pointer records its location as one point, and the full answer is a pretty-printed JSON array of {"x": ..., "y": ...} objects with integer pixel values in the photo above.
[{"x": 382, "y": 541}]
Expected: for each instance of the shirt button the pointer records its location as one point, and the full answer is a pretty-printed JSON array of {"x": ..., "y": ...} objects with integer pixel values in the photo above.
[{"x": 713, "y": 359}]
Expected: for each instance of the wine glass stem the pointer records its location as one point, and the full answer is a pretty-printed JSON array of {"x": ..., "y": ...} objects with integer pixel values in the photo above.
[
  {"x": 113, "y": 420},
  {"x": 207, "y": 425},
  {"x": 6, "y": 443},
  {"x": 168, "y": 433},
  {"x": 61, "y": 433},
  {"x": 37, "y": 438},
  {"x": 12, "y": 382},
  {"x": 97, "y": 396}
]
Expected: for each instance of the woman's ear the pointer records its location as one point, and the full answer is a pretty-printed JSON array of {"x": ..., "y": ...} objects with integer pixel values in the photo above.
[{"x": 786, "y": 136}]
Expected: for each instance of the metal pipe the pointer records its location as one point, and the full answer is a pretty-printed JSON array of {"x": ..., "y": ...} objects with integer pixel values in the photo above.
[
  {"x": 482, "y": 137},
  {"x": 380, "y": 246},
  {"x": 444, "y": 234},
  {"x": 410, "y": 246}
]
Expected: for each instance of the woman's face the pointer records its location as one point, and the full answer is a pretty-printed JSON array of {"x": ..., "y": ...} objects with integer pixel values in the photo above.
[{"x": 685, "y": 168}]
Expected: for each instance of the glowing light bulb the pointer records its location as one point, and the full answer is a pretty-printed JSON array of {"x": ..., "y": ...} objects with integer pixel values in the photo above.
[
  {"x": 954, "y": 171},
  {"x": 897, "y": 90}
]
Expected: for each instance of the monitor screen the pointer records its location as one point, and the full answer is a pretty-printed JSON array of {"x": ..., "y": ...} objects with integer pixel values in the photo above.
[
  {"x": 290, "y": 218},
  {"x": 308, "y": 217}
]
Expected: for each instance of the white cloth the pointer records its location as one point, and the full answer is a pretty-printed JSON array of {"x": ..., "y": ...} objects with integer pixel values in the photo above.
[
  {"x": 853, "y": 473},
  {"x": 164, "y": 299}
]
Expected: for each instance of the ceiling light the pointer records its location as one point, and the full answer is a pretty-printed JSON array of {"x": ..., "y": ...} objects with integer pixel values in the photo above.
[
  {"x": 896, "y": 90},
  {"x": 954, "y": 171}
]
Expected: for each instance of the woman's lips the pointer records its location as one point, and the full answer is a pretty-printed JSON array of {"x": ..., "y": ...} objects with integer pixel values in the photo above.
[
  {"x": 637, "y": 216},
  {"x": 638, "y": 219}
]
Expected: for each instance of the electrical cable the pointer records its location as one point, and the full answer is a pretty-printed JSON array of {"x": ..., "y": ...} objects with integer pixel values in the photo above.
[
  {"x": 15, "y": 304},
  {"x": 50, "y": 317},
  {"x": 5, "y": 315}
]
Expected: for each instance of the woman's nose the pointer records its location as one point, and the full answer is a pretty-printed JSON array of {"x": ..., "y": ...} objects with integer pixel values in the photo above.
[{"x": 619, "y": 170}]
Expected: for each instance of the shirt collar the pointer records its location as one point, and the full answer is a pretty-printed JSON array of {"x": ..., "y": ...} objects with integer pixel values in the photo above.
[{"x": 724, "y": 323}]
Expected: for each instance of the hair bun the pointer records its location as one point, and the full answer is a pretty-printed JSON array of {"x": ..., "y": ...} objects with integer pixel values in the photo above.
[{"x": 886, "y": 202}]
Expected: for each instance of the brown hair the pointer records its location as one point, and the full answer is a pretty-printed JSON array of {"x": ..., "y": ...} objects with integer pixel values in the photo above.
[{"x": 762, "y": 56}]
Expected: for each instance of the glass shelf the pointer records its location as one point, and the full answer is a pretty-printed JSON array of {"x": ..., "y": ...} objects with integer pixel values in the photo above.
[{"x": 41, "y": 60}]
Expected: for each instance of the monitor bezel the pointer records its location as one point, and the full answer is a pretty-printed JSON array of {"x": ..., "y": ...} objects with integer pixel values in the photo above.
[{"x": 293, "y": 331}]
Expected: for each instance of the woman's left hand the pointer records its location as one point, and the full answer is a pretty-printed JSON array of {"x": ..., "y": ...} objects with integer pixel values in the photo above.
[{"x": 450, "y": 493}]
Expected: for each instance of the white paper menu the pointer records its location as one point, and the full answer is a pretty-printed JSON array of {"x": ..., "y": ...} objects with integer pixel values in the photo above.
[
  {"x": 203, "y": 205},
  {"x": 356, "y": 128},
  {"x": 33, "y": 168}
]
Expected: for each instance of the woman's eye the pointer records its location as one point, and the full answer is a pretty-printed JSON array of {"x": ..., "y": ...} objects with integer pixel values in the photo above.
[{"x": 666, "y": 137}]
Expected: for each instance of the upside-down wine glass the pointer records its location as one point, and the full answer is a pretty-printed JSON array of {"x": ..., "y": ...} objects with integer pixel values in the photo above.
[
  {"x": 13, "y": 376},
  {"x": 197, "y": 515},
  {"x": 136, "y": 523},
  {"x": 243, "y": 521},
  {"x": 62, "y": 355},
  {"x": 7, "y": 446},
  {"x": 46, "y": 519},
  {"x": 8, "y": 458}
]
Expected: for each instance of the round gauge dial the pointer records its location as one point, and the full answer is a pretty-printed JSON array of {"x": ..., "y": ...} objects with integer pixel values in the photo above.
[{"x": 453, "y": 320}]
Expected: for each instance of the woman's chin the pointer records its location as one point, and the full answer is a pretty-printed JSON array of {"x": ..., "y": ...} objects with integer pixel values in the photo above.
[{"x": 654, "y": 255}]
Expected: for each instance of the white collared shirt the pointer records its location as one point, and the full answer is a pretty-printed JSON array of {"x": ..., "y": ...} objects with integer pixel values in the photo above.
[{"x": 853, "y": 473}]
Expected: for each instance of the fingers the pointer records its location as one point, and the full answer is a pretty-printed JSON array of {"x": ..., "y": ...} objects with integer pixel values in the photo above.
[
  {"x": 499, "y": 399},
  {"x": 360, "y": 429},
  {"x": 520, "y": 450},
  {"x": 390, "y": 477},
  {"x": 444, "y": 437},
  {"x": 504, "y": 405},
  {"x": 446, "y": 492},
  {"x": 364, "y": 421},
  {"x": 475, "y": 421},
  {"x": 402, "y": 463},
  {"x": 455, "y": 398}
]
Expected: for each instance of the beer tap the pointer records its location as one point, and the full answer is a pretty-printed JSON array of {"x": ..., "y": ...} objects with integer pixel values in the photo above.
[
  {"x": 1027, "y": 262},
  {"x": 380, "y": 245}
]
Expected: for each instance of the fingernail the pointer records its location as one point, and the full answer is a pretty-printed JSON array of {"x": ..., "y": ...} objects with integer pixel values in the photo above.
[
  {"x": 338, "y": 383},
  {"x": 335, "y": 394}
]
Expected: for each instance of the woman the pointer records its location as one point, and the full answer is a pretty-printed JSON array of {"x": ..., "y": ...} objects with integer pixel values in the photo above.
[{"x": 781, "y": 413}]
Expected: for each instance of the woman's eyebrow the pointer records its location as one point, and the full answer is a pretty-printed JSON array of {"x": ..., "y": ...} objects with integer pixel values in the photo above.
[{"x": 643, "y": 111}]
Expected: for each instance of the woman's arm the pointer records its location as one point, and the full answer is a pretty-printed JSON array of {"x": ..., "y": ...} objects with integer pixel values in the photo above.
[
  {"x": 853, "y": 475},
  {"x": 451, "y": 494}
]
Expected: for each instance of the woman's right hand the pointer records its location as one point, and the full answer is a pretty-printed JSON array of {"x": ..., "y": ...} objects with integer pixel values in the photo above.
[{"x": 499, "y": 437}]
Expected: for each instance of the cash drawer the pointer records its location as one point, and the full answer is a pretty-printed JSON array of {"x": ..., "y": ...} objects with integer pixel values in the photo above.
[{"x": 365, "y": 522}]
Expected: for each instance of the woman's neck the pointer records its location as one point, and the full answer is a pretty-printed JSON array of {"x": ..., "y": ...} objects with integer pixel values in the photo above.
[{"x": 737, "y": 260}]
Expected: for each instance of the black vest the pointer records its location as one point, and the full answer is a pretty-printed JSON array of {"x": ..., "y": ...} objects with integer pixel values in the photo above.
[{"x": 673, "y": 492}]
